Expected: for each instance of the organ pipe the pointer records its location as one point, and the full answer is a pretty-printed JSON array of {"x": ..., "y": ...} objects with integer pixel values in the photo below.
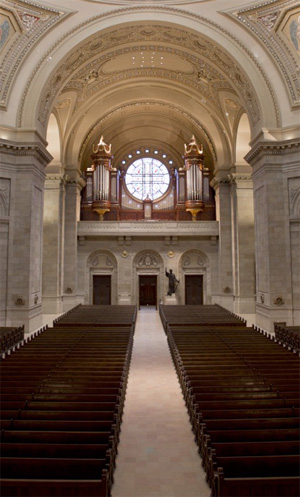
[{"x": 196, "y": 173}]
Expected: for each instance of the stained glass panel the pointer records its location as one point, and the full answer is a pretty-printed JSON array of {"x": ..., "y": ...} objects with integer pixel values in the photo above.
[{"x": 147, "y": 177}]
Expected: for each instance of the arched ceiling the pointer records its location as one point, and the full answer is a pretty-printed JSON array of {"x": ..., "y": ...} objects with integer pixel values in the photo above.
[{"x": 140, "y": 72}]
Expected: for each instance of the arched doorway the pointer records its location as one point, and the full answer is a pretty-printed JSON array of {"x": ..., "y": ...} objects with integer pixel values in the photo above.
[
  {"x": 147, "y": 274},
  {"x": 196, "y": 277},
  {"x": 101, "y": 278}
]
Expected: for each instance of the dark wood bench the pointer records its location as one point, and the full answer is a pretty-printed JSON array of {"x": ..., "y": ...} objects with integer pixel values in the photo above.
[
  {"x": 258, "y": 467},
  {"x": 56, "y": 488}
]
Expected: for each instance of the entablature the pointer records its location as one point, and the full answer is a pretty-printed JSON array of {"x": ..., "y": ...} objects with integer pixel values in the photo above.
[{"x": 148, "y": 228}]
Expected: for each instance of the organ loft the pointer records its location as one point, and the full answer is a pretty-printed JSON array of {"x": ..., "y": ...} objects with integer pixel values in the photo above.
[{"x": 138, "y": 138}]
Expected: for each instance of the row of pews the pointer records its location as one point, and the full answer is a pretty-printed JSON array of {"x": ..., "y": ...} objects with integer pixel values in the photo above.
[
  {"x": 241, "y": 388},
  {"x": 10, "y": 337},
  {"x": 62, "y": 398}
]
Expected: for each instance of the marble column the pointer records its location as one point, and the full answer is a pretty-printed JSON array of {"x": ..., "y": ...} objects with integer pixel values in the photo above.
[
  {"x": 221, "y": 184},
  {"x": 276, "y": 183},
  {"x": 243, "y": 252},
  {"x": 22, "y": 171}
]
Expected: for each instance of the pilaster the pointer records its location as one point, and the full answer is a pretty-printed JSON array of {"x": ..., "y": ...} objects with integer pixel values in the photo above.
[
  {"x": 243, "y": 251},
  {"x": 53, "y": 247},
  {"x": 22, "y": 174},
  {"x": 73, "y": 187},
  {"x": 221, "y": 184},
  {"x": 276, "y": 182}
]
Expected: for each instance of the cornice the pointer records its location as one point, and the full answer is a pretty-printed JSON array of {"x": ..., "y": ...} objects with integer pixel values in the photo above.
[
  {"x": 25, "y": 150},
  {"x": 156, "y": 8},
  {"x": 271, "y": 148}
]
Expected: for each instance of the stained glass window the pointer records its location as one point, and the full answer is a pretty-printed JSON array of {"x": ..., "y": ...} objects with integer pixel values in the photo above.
[{"x": 147, "y": 177}]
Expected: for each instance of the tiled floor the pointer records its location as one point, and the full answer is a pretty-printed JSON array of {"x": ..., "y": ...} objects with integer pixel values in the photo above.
[{"x": 157, "y": 453}]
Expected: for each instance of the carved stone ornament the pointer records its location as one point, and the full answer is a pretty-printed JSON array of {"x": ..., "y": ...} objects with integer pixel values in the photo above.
[
  {"x": 108, "y": 261},
  {"x": 294, "y": 196},
  {"x": 95, "y": 261},
  {"x": 68, "y": 290},
  {"x": 187, "y": 261},
  {"x": 148, "y": 260},
  {"x": 200, "y": 262},
  {"x": 4, "y": 196},
  {"x": 279, "y": 301},
  {"x": 20, "y": 301}
]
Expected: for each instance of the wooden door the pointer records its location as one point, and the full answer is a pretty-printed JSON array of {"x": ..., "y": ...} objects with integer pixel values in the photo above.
[
  {"x": 147, "y": 290},
  {"x": 101, "y": 289},
  {"x": 194, "y": 289}
]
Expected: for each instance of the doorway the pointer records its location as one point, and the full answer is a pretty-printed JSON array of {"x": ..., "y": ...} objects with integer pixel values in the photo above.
[
  {"x": 194, "y": 289},
  {"x": 147, "y": 290},
  {"x": 101, "y": 289}
]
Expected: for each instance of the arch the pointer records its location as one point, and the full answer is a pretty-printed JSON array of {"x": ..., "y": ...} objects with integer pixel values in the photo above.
[
  {"x": 195, "y": 262},
  {"x": 53, "y": 139},
  {"x": 242, "y": 141},
  {"x": 101, "y": 262},
  {"x": 147, "y": 262},
  {"x": 196, "y": 25}
]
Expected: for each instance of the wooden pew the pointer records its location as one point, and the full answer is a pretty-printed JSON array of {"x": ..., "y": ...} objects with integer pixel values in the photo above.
[{"x": 256, "y": 469}]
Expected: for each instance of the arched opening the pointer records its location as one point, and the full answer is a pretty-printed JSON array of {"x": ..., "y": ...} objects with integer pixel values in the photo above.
[
  {"x": 53, "y": 139},
  {"x": 243, "y": 137}
]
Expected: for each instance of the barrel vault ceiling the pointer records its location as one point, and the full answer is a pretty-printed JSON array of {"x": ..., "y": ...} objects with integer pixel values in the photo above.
[{"x": 144, "y": 81}]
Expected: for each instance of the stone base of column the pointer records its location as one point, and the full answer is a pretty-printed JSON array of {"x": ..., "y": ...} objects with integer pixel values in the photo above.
[
  {"x": 244, "y": 305},
  {"x": 171, "y": 299},
  {"x": 266, "y": 317},
  {"x": 52, "y": 305},
  {"x": 32, "y": 319}
]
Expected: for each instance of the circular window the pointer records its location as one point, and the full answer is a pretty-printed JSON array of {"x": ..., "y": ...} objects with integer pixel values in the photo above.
[{"x": 147, "y": 177}]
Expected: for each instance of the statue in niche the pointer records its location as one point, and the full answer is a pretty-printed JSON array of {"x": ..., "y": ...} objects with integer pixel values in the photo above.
[{"x": 173, "y": 282}]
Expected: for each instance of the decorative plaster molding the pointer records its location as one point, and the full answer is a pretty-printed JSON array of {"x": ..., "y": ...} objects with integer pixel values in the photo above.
[
  {"x": 33, "y": 21},
  {"x": 100, "y": 125},
  {"x": 148, "y": 228},
  {"x": 130, "y": 2},
  {"x": 267, "y": 21},
  {"x": 198, "y": 44}
]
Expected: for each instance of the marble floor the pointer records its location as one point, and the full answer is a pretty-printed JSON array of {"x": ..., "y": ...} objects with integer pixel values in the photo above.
[{"x": 157, "y": 453}]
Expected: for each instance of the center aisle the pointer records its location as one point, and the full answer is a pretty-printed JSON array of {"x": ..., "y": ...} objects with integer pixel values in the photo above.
[{"x": 157, "y": 453}]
